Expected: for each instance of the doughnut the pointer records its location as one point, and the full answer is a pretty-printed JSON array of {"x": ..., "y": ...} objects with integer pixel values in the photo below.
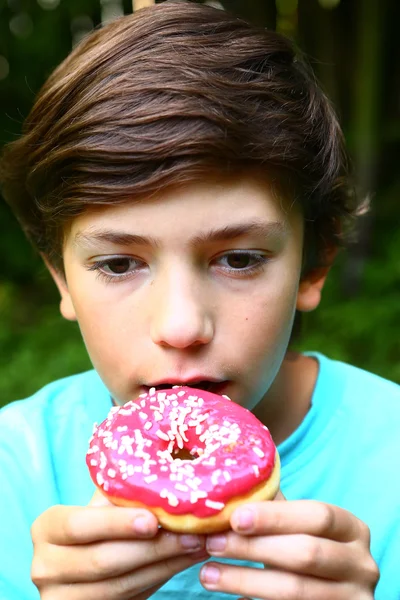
[{"x": 187, "y": 455}]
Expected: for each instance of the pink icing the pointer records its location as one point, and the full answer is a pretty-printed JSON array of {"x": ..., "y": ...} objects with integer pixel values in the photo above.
[{"x": 131, "y": 453}]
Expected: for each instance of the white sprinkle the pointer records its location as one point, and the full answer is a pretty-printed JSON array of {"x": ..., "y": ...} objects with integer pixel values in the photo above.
[
  {"x": 227, "y": 476},
  {"x": 164, "y": 493},
  {"x": 172, "y": 499},
  {"x": 125, "y": 413},
  {"x": 181, "y": 393},
  {"x": 157, "y": 416},
  {"x": 182, "y": 433},
  {"x": 150, "y": 478},
  {"x": 256, "y": 470},
  {"x": 99, "y": 478},
  {"x": 161, "y": 396},
  {"x": 143, "y": 415},
  {"x": 191, "y": 484},
  {"x": 111, "y": 473},
  {"x": 201, "y": 418},
  {"x": 103, "y": 460},
  {"x": 258, "y": 451},
  {"x": 148, "y": 425},
  {"x": 94, "y": 462},
  {"x": 152, "y": 391},
  {"x": 196, "y": 495},
  {"x": 181, "y": 487},
  {"x": 225, "y": 396},
  {"x": 162, "y": 435},
  {"x": 212, "y": 504},
  {"x": 215, "y": 477}
]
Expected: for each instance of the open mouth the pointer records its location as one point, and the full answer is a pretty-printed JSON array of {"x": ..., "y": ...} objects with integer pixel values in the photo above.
[{"x": 215, "y": 387}]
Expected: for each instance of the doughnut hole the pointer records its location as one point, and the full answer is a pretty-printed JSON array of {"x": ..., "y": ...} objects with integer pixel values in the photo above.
[{"x": 183, "y": 454}]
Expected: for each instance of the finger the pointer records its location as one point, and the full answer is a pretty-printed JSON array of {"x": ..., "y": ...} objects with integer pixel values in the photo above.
[
  {"x": 71, "y": 525},
  {"x": 271, "y": 584},
  {"x": 136, "y": 584},
  {"x": 107, "y": 560},
  {"x": 302, "y": 554},
  {"x": 298, "y": 516},
  {"x": 99, "y": 499}
]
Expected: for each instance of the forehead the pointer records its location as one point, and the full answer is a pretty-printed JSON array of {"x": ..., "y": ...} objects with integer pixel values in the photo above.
[{"x": 194, "y": 207}]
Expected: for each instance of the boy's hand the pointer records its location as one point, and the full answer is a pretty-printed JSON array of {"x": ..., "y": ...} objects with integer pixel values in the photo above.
[
  {"x": 105, "y": 551},
  {"x": 310, "y": 550}
]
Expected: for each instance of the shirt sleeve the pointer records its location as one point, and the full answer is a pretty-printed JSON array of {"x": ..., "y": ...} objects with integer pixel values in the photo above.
[{"x": 27, "y": 490}]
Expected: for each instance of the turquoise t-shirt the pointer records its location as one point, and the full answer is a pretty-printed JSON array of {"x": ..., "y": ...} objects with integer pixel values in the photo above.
[{"x": 345, "y": 452}]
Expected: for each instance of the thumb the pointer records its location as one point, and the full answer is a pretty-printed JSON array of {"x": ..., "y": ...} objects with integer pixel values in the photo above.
[{"x": 99, "y": 499}]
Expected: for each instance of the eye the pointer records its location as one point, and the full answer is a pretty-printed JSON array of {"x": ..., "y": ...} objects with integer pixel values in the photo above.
[
  {"x": 242, "y": 261},
  {"x": 117, "y": 268}
]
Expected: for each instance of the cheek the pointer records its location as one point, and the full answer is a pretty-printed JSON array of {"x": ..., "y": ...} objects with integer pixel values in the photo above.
[
  {"x": 107, "y": 333},
  {"x": 262, "y": 325}
]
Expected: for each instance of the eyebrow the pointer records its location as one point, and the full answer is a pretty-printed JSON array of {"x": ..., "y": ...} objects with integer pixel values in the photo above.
[{"x": 271, "y": 229}]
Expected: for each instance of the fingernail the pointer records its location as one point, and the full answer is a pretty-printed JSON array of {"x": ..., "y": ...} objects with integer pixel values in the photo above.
[
  {"x": 190, "y": 542},
  {"x": 210, "y": 574},
  {"x": 142, "y": 525},
  {"x": 216, "y": 543},
  {"x": 244, "y": 519}
]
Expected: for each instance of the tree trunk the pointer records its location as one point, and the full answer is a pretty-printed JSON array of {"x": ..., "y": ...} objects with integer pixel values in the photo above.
[
  {"x": 364, "y": 136},
  {"x": 259, "y": 12}
]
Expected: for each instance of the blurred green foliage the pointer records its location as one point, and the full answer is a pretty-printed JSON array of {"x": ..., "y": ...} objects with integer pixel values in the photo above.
[{"x": 353, "y": 46}]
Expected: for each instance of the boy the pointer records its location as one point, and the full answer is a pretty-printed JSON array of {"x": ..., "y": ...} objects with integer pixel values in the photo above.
[{"x": 185, "y": 181}]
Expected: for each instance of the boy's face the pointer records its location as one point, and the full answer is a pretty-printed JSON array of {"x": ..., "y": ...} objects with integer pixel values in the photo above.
[{"x": 199, "y": 283}]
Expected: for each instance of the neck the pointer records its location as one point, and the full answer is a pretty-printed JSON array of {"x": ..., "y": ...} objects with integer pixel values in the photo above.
[{"x": 288, "y": 400}]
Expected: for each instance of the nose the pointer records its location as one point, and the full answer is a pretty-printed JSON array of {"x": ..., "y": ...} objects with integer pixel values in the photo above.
[{"x": 180, "y": 313}]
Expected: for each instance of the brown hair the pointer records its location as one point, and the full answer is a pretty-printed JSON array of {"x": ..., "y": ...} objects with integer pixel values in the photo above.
[{"x": 164, "y": 96}]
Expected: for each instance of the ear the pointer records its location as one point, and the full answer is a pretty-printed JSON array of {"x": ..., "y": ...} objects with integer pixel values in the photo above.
[
  {"x": 67, "y": 309},
  {"x": 311, "y": 285},
  {"x": 310, "y": 289}
]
